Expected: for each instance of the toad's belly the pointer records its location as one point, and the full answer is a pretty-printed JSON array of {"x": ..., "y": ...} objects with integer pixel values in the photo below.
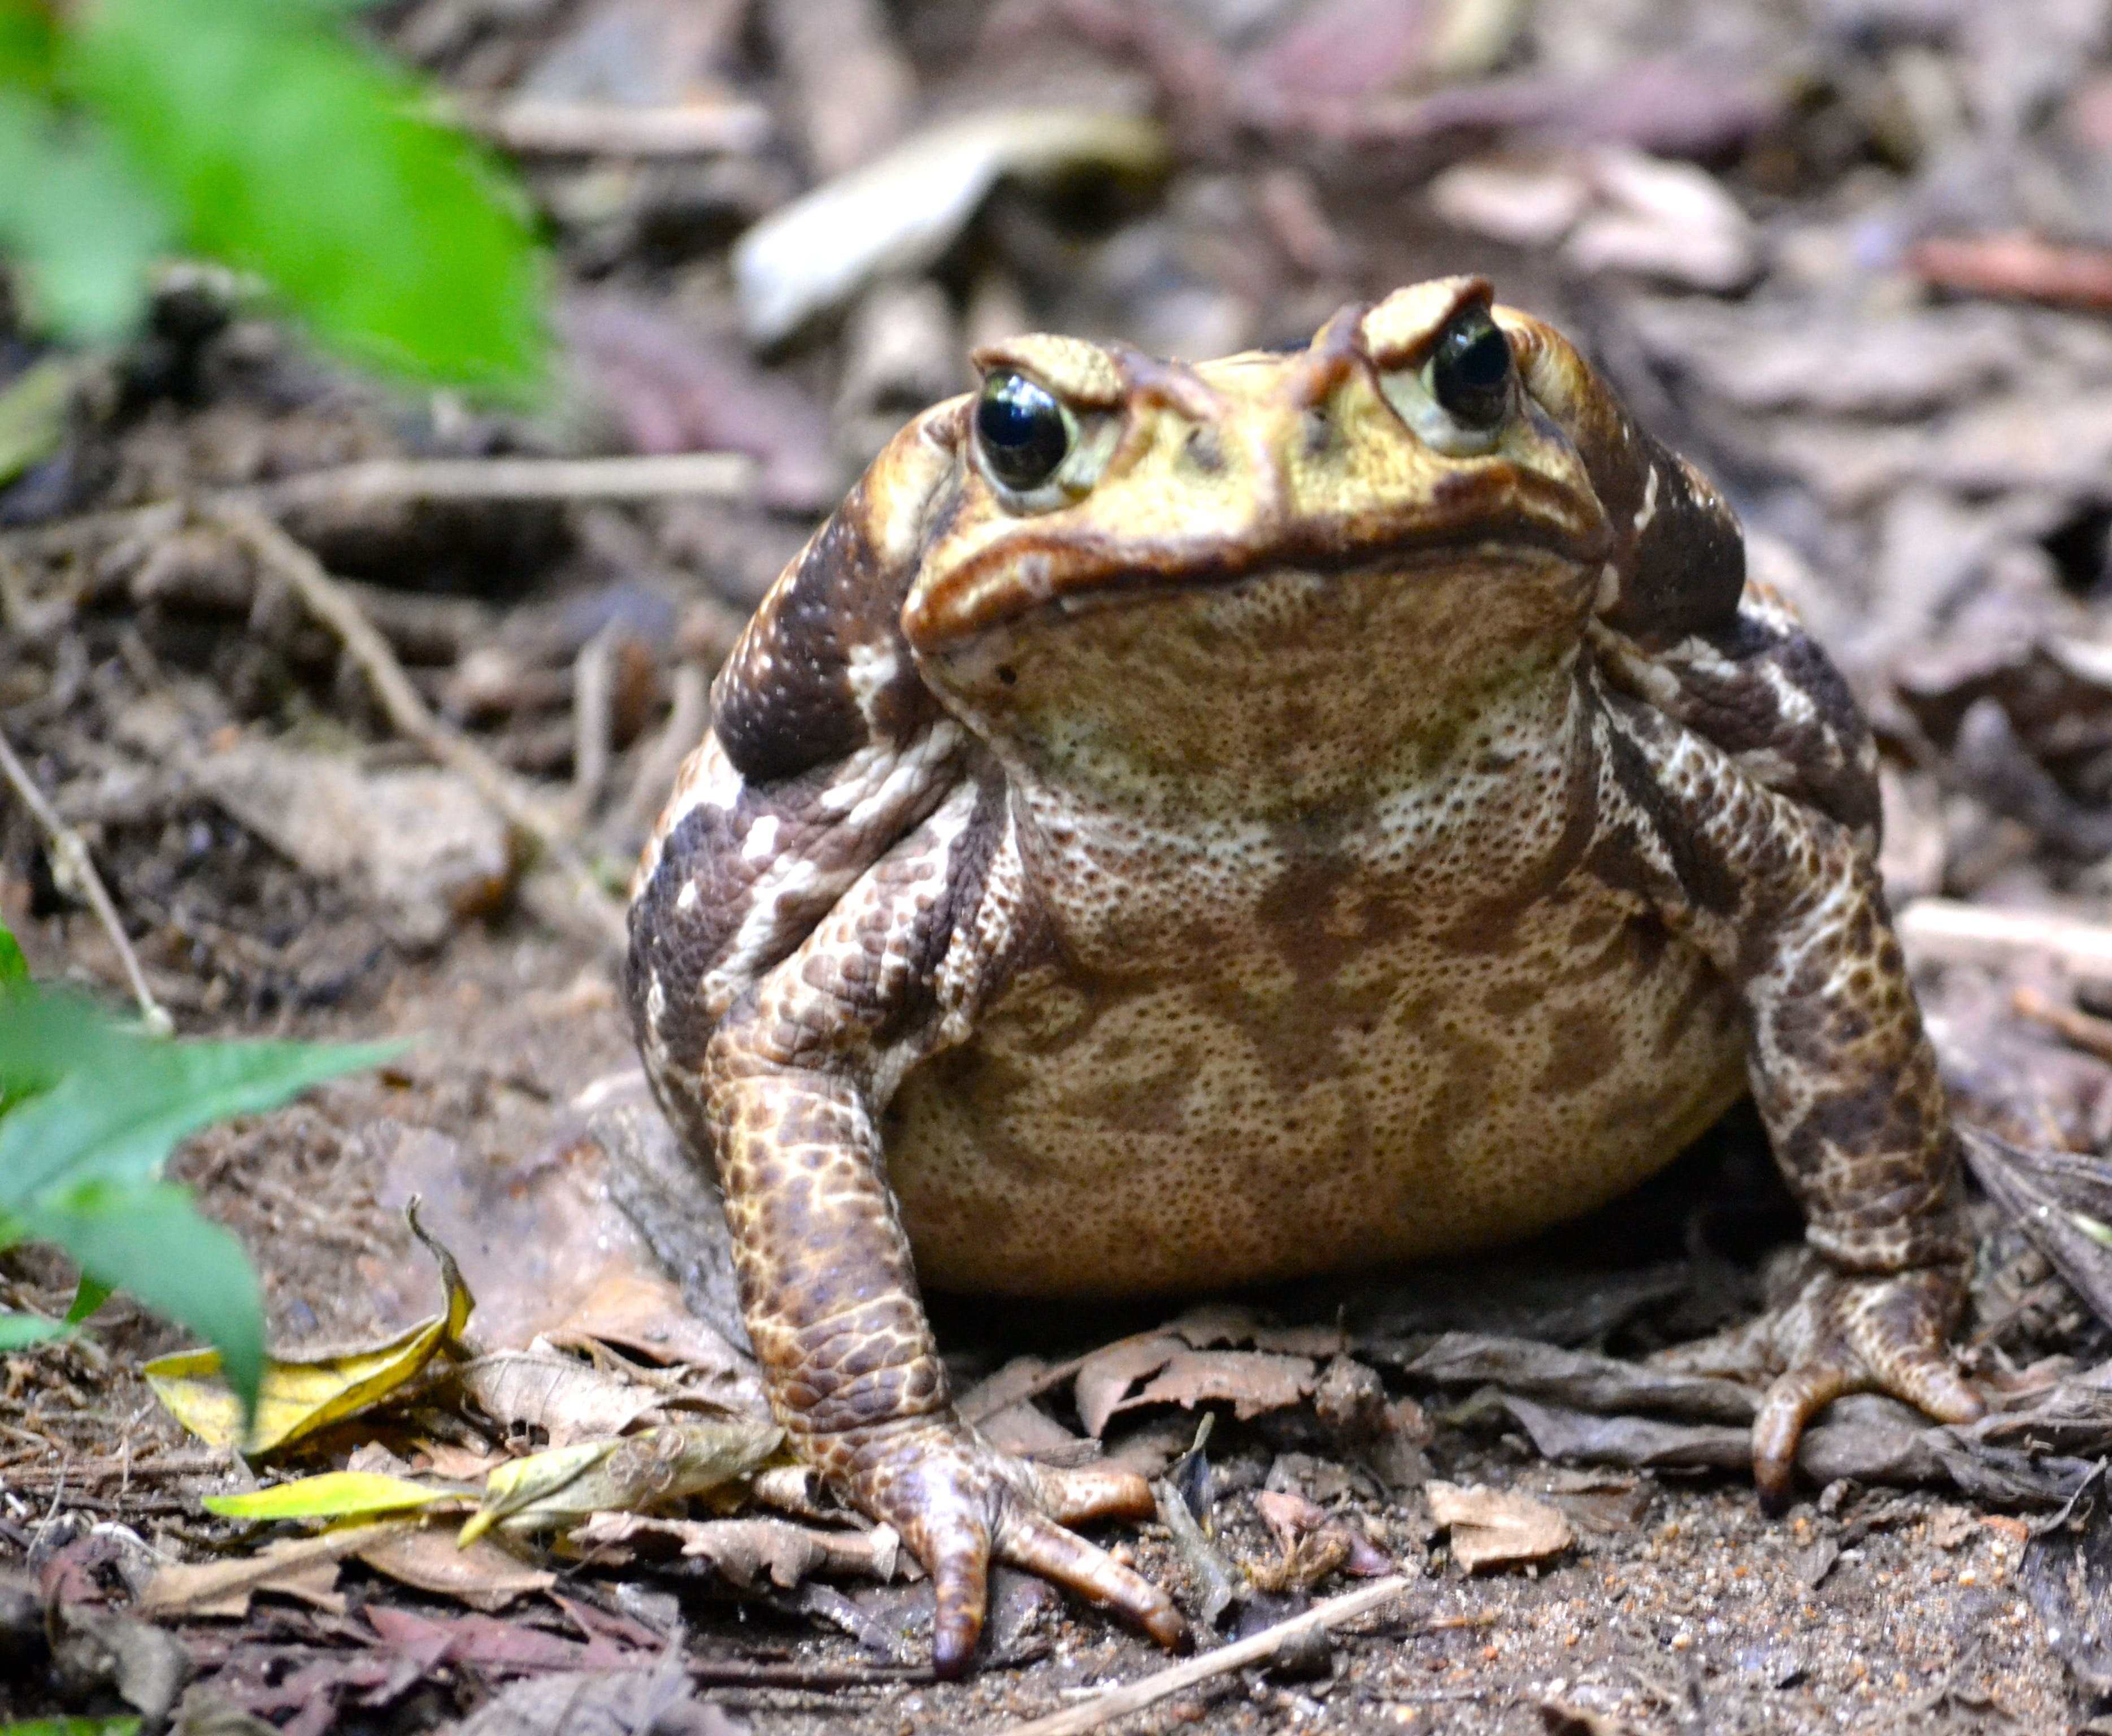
[{"x": 1243, "y": 1124}]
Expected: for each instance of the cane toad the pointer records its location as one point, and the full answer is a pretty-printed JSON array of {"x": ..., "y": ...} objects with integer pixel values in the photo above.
[{"x": 1178, "y": 826}]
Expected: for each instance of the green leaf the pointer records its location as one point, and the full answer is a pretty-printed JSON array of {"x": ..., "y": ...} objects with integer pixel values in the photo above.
[
  {"x": 88, "y": 1295},
  {"x": 28, "y": 45},
  {"x": 288, "y": 151},
  {"x": 73, "y": 1727},
  {"x": 19, "y": 1329},
  {"x": 78, "y": 220},
  {"x": 151, "y": 1240},
  {"x": 14, "y": 967},
  {"x": 121, "y": 1102}
]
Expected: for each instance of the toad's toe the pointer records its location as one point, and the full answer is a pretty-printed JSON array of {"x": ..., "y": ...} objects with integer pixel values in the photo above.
[
  {"x": 1842, "y": 1332},
  {"x": 961, "y": 1505}
]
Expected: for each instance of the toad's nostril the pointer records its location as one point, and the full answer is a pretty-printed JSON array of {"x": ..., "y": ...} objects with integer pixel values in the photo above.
[{"x": 1204, "y": 450}]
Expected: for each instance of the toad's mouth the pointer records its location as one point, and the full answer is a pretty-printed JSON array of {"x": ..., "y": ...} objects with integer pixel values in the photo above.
[{"x": 1060, "y": 570}]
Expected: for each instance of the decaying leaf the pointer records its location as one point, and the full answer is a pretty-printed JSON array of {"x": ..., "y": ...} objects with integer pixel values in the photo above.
[
  {"x": 571, "y": 1400},
  {"x": 903, "y": 209},
  {"x": 484, "y": 1641},
  {"x": 553, "y": 1490},
  {"x": 743, "y": 1551},
  {"x": 302, "y": 1394},
  {"x": 613, "y": 1704},
  {"x": 1105, "y": 1377},
  {"x": 482, "y": 1575},
  {"x": 225, "y": 1587},
  {"x": 2067, "y": 1576},
  {"x": 1496, "y": 1528},
  {"x": 1251, "y": 1381}
]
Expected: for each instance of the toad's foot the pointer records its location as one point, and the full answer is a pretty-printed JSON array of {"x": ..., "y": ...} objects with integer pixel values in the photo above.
[
  {"x": 1840, "y": 1332},
  {"x": 961, "y": 1505}
]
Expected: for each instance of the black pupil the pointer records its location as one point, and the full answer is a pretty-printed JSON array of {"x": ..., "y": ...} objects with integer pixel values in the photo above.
[
  {"x": 1022, "y": 430},
  {"x": 1470, "y": 371}
]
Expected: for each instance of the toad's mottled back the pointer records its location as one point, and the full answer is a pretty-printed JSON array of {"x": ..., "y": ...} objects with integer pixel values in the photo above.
[{"x": 1179, "y": 826}]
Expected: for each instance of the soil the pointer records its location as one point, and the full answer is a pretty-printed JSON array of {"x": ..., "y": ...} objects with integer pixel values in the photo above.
[{"x": 1923, "y": 455}]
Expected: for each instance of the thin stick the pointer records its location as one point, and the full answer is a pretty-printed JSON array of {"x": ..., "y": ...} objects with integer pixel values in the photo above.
[
  {"x": 718, "y": 475},
  {"x": 76, "y": 863},
  {"x": 2092, "y": 1036},
  {"x": 687, "y": 716},
  {"x": 1945, "y": 931},
  {"x": 593, "y": 723},
  {"x": 543, "y": 126},
  {"x": 1119, "y": 1702},
  {"x": 721, "y": 476},
  {"x": 405, "y": 709}
]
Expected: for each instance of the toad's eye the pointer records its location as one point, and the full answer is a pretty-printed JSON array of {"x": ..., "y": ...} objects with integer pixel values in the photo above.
[
  {"x": 1470, "y": 370},
  {"x": 1024, "y": 433}
]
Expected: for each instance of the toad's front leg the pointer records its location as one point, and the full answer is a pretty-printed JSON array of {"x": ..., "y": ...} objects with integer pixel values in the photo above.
[
  {"x": 791, "y": 1088},
  {"x": 1786, "y": 898}
]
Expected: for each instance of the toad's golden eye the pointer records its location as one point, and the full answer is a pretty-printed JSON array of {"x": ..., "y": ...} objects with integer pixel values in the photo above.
[
  {"x": 1023, "y": 431},
  {"x": 1470, "y": 369}
]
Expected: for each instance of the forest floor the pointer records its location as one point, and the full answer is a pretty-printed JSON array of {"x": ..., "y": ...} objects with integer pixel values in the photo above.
[{"x": 1853, "y": 256}]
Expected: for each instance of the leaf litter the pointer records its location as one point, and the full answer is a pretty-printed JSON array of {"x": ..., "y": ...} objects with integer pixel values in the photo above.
[{"x": 1912, "y": 428}]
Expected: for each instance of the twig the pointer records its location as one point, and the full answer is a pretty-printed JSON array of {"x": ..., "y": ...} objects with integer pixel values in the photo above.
[
  {"x": 1130, "y": 1697},
  {"x": 2091, "y": 1035},
  {"x": 2016, "y": 267},
  {"x": 648, "y": 476},
  {"x": 1947, "y": 931},
  {"x": 405, "y": 709},
  {"x": 541, "y": 126},
  {"x": 687, "y": 715},
  {"x": 719, "y": 475},
  {"x": 593, "y": 723},
  {"x": 75, "y": 864}
]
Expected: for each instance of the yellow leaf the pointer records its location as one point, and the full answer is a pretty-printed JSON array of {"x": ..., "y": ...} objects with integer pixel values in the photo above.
[
  {"x": 534, "y": 1482},
  {"x": 333, "y": 1495},
  {"x": 302, "y": 1394}
]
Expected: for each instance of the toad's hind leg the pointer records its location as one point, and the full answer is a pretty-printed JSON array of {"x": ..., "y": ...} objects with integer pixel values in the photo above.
[{"x": 1783, "y": 895}]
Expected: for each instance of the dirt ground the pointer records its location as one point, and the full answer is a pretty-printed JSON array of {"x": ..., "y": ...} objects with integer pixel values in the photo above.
[{"x": 1854, "y": 257}]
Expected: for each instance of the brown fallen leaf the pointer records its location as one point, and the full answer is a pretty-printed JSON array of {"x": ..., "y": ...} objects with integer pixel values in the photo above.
[
  {"x": 1105, "y": 1377},
  {"x": 484, "y": 1575},
  {"x": 1496, "y": 1528},
  {"x": 1210, "y": 1325},
  {"x": 225, "y": 1587},
  {"x": 1252, "y": 1381},
  {"x": 511, "y": 1647},
  {"x": 643, "y": 1312},
  {"x": 569, "y": 1400},
  {"x": 743, "y": 1551},
  {"x": 585, "y": 1704}
]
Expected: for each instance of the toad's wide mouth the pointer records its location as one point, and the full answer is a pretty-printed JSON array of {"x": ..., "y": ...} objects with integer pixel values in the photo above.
[{"x": 1058, "y": 569}]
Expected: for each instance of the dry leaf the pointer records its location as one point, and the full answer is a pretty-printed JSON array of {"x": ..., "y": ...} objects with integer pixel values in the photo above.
[
  {"x": 1253, "y": 1381},
  {"x": 302, "y": 1394},
  {"x": 1495, "y": 1528},
  {"x": 224, "y": 1588},
  {"x": 569, "y": 1401},
  {"x": 556, "y": 1489},
  {"x": 902, "y": 210},
  {"x": 745, "y": 1552},
  {"x": 1106, "y": 1375},
  {"x": 483, "y": 1576}
]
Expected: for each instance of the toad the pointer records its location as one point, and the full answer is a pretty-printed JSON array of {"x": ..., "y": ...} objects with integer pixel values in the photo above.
[{"x": 1180, "y": 826}]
